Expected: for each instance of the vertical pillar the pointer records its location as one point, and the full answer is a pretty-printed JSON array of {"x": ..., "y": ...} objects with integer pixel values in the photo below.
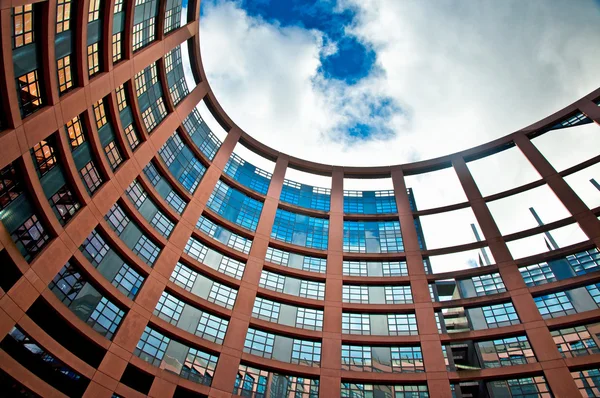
[
  {"x": 331, "y": 354},
  {"x": 438, "y": 383},
  {"x": 537, "y": 332},
  {"x": 233, "y": 345}
]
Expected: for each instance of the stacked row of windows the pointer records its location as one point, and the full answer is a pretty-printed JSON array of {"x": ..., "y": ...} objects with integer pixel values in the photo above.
[
  {"x": 352, "y": 390},
  {"x": 94, "y": 37},
  {"x": 507, "y": 351},
  {"x": 375, "y": 268},
  {"x": 588, "y": 382},
  {"x": 370, "y": 202},
  {"x": 83, "y": 156},
  {"x": 40, "y": 362},
  {"x": 148, "y": 210},
  {"x": 28, "y": 79},
  {"x": 64, "y": 46},
  {"x": 52, "y": 178},
  {"x": 150, "y": 97},
  {"x": 305, "y": 195},
  {"x": 568, "y": 302},
  {"x": 110, "y": 265},
  {"x": 87, "y": 303},
  {"x": 224, "y": 235},
  {"x": 285, "y": 314},
  {"x": 247, "y": 174},
  {"x": 288, "y": 285},
  {"x": 126, "y": 116},
  {"x": 176, "y": 82},
  {"x": 173, "y": 356},
  {"x": 112, "y": 148},
  {"x": 300, "y": 229},
  {"x": 578, "y": 340},
  {"x": 18, "y": 214},
  {"x": 117, "y": 33},
  {"x": 382, "y": 359},
  {"x": 454, "y": 320},
  {"x": 254, "y": 382},
  {"x": 164, "y": 188},
  {"x": 376, "y": 294},
  {"x": 481, "y": 285},
  {"x": 579, "y": 263},
  {"x": 214, "y": 259},
  {"x": 203, "y": 287},
  {"x": 379, "y": 324},
  {"x": 144, "y": 23},
  {"x": 172, "y": 15},
  {"x": 281, "y": 348},
  {"x": 295, "y": 260},
  {"x": 185, "y": 316},
  {"x": 132, "y": 235},
  {"x": 235, "y": 206},
  {"x": 372, "y": 237},
  {"x": 182, "y": 163},
  {"x": 200, "y": 134}
]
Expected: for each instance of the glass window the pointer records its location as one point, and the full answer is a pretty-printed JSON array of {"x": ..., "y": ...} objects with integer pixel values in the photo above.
[
  {"x": 247, "y": 174},
  {"x": 272, "y": 281},
  {"x": 144, "y": 31},
  {"x": 44, "y": 156},
  {"x": 588, "y": 382},
  {"x": 94, "y": 10},
  {"x": 113, "y": 154},
  {"x": 499, "y": 315},
  {"x": 201, "y": 135},
  {"x": 132, "y": 136},
  {"x": 93, "y": 57},
  {"x": 63, "y": 15},
  {"x": 308, "y": 318},
  {"x": 372, "y": 237},
  {"x": 305, "y": 195},
  {"x": 370, "y": 202},
  {"x": 64, "y": 204},
  {"x": 300, "y": 230},
  {"x": 118, "y": 6},
  {"x": 525, "y": 387},
  {"x": 224, "y": 235},
  {"x": 212, "y": 328},
  {"x": 554, "y": 305},
  {"x": 65, "y": 77},
  {"x": 375, "y": 390},
  {"x": 259, "y": 343},
  {"x": 95, "y": 248},
  {"x": 294, "y": 260},
  {"x": 214, "y": 259},
  {"x": 219, "y": 294},
  {"x": 537, "y": 274},
  {"x": 106, "y": 318},
  {"x": 100, "y": 114},
  {"x": 235, "y": 206},
  {"x": 30, "y": 237},
  {"x": 10, "y": 185},
  {"x": 152, "y": 346},
  {"x": 407, "y": 359},
  {"x": 355, "y": 294},
  {"x": 488, "y": 284},
  {"x": 30, "y": 95},
  {"x": 23, "y": 24},
  {"x": 402, "y": 324},
  {"x": 356, "y": 323},
  {"x": 172, "y": 16},
  {"x": 169, "y": 308},
  {"x": 117, "y": 47},
  {"x": 199, "y": 367},
  {"x": 306, "y": 352},
  {"x": 266, "y": 309},
  {"x": 313, "y": 290},
  {"x": 398, "y": 295},
  {"x": 146, "y": 250},
  {"x": 576, "y": 341},
  {"x": 75, "y": 132},
  {"x": 373, "y": 268},
  {"x": 254, "y": 382},
  {"x": 506, "y": 352},
  {"x": 182, "y": 163}
]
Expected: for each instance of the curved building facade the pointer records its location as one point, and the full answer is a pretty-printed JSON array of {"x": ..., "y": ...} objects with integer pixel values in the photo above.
[{"x": 140, "y": 256}]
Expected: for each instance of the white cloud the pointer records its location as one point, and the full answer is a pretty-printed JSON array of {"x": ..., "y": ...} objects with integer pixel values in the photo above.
[{"x": 463, "y": 74}]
